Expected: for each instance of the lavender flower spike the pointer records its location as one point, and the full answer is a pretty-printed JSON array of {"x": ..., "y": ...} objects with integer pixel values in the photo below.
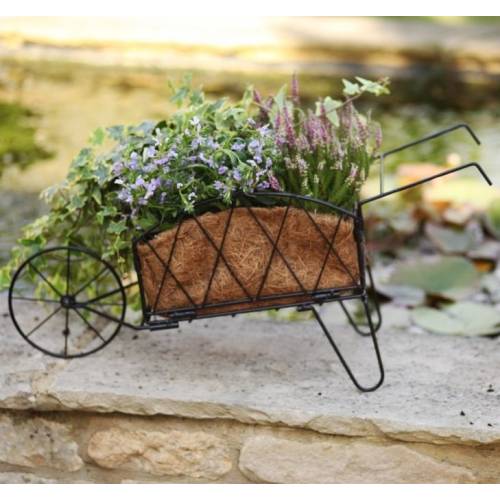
[{"x": 295, "y": 89}]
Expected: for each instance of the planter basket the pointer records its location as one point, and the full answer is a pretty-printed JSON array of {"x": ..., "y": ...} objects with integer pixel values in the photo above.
[
  {"x": 266, "y": 251},
  {"x": 248, "y": 257}
]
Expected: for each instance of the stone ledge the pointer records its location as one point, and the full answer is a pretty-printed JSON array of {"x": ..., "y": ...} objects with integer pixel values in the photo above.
[
  {"x": 267, "y": 372},
  {"x": 117, "y": 448}
]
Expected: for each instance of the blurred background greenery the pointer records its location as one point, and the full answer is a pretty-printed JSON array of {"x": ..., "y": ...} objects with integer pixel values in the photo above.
[{"x": 60, "y": 78}]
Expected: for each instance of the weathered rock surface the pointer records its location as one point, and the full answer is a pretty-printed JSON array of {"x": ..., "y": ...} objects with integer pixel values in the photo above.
[
  {"x": 437, "y": 389},
  {"x": 173, "y": 453},
  {"x": 23, "y": 478},
  {"x": 272, "y": 460},
  {"x": 37, "y": 442}
]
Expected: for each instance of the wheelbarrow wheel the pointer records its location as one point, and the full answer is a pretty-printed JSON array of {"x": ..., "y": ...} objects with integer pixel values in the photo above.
[{"x": 67, "y": 302}]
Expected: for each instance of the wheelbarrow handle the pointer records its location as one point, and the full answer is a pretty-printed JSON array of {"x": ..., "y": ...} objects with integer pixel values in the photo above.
[
  {"x": 382, "y": 156},
  {"x": 427, "y": 179},
  {"x": 429, "y": 138}
]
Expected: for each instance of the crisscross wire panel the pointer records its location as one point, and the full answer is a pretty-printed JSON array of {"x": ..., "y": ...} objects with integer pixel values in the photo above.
[{"x": 265, "y": 251}]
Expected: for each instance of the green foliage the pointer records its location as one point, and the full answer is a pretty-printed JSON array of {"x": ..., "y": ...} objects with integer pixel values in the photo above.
[
  {"x": 326, "y": 153},
  {"x": 17, "y": 137},
  {"x": 157, "y": 171}
]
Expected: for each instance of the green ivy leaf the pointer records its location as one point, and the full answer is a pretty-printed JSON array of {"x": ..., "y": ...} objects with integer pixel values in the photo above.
[
  {"x": 330, "y": 105},
  {"x": 350, "y": 88},
  {"x": 97, "y": 137},
  {"x": 375, "y": 88},
  {"x": 280, "y": 97},
  {"x": 117, "y": 227}
]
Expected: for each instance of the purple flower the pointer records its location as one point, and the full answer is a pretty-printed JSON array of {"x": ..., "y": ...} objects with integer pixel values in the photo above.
[
  {"x": 352, "y": 174},
  {"x": 254, "y": 145},
  {"x": 207, "y": 161},
  {"x": 161, "y": 161},
  {"x": 149, "y": 167},
  {"x": 220, "y": 186},
  {"x": 264, "y": 131},
  {"x": 263, "y": 185},
  {"x": 378, "y": 136},
  {"x": 302, "y": 164},
  {"x": 295, "y": 89},
  {"x": 238, "y": 146},
  {"x": 210, "y": 143},
  {"x": 149, "y": 152},
  {"x": 290, "y": 133},
  {"x": 196, "y": 142},
  {"x": 237, "y": 175},
  {"x": 274, "y": 183},
  {"x": 134, "y": 160},
  {"x": 138, "y": 182},
  {"x": 222, "y": 169},
  {"x": 125, "y": 195},
  {"x": 152, "y": 186},
  {"x": 277, "y": 121},
  {"x": 117, "y": 167}
]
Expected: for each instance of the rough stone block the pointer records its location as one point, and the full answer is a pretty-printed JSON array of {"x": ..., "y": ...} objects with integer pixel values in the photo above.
[
  {"x": 172, "y": 453},
  {"x": 275, "y": 460},
  {"x": 37, "y": 442}
]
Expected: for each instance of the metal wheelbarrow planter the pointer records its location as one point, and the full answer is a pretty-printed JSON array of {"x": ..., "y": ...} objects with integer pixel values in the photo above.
[{"x": 173, "y": 289}]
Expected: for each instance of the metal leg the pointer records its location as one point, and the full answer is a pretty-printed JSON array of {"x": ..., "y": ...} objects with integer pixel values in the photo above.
[
  {"x": 375, "y": 303},
  {"x": 339, "y": 354}
]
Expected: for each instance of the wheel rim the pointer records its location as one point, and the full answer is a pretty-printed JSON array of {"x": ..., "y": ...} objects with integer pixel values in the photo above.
[{"x": 59, "y": 311}]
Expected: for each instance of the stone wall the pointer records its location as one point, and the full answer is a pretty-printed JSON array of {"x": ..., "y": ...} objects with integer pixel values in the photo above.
[
  {"x": 251, "y": 401},
  {"x": 80, "y": 447}
]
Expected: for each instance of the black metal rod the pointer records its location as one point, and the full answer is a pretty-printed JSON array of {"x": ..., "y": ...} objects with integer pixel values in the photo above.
[
  {"x": 53, "y": 313},
  {"x": 428, "y": 179},
  {"x": 430, "y": 137},
  {"x": 93, "y": 328},
  {"x": 341, "y": 357}
]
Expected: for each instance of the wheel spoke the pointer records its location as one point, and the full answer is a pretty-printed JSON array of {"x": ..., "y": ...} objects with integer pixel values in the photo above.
[
  {"x": 66, "y": 346},
  {"x": 84, "y": 319},
  {"x": 104, "y": 295},
  {"x": 103, "y": 314},
  {"x": 67, "y": 272},
  {"x": 66, "y": 333},
  {"x": 33, "y": 330},
  {"x": 91, "y": 280},
  {"x": 33, "y": 299},
  {"x": 44, "y": 279}
]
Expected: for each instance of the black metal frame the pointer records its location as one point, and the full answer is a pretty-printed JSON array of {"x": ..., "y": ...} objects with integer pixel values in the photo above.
[{"x": 307, "y": 299}]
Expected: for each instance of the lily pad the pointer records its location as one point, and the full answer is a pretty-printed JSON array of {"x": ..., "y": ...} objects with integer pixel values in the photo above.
[
  {"x": 491, "y": 284},
  {"x": 462, "y": 318},
  {"x": 444, "y": 276},
  {"x": 492, "y": 219},
  {"x": 450, "y": 240},
  {"x": 402, "y": 294}
]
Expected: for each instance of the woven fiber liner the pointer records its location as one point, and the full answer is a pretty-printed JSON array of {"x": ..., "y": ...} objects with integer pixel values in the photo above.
[{"x": 190, "y": 252}]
